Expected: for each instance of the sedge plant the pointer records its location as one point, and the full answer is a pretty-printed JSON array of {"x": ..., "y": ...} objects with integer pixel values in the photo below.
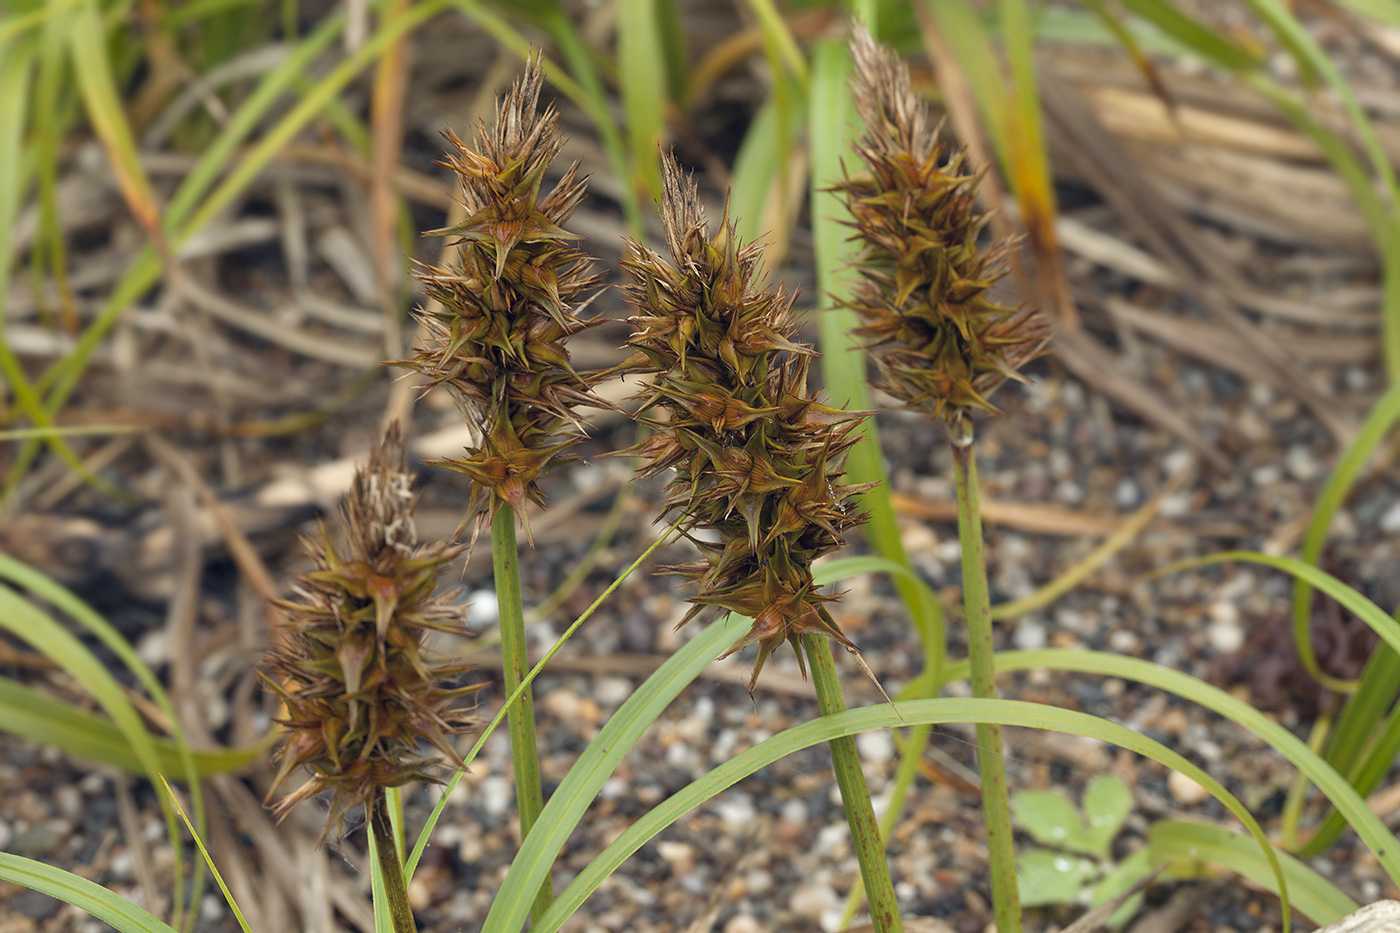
[
  {"x": 940, "y": 345},
  {"x": 361, "y": 695},
  {"x": 497, "y": 343},
  {"x": 757, "y": 462}
]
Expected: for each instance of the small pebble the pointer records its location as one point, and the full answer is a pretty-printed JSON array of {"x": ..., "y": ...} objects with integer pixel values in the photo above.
[
  {"x": 743, "y": 923},
  {"x": 562, "y": 703},
  {"x": 612, "y": 691},
  {"x": 497, "y": 794},
  {"x": 812, "y": 900},
  {"x": 877, "y": 747},
  {"x": 483, "y": 609},
  {"x": 1186, "y": 791},
  {"x": 1390, "y": 521},
  {"x": 1030, "y": 635}
]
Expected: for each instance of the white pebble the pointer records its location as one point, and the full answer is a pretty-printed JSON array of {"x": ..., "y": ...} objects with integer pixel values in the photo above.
[
  {"x": 154, "y": 647},
  {"x": 875, "y": 746},
  {"x": 1126, "y": 494},
  {"x": 612, "y": 691},
  {"x": 1030, "y": 635},
  {"x": 1390, "y": 521},
  {"x": 497, "y": 792},
  {"x": 794, "y": 811},
  {"x": 743, "y": 923},
  {"x": 1301, "y": 463},
  {"x": 483, "y": 608},
  {"x": 736, "y": 810},
  {"x": 812, "y": 900},
  {"x": 1186, "y": 791}
]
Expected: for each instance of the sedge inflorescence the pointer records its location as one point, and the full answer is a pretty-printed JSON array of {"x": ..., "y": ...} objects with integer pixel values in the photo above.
[
  {"x": 360, "y": 693},
  {"x": 505, "y": 311},
  {"x": 757, "y": 458},
  {"x": 940, "y": 343}
]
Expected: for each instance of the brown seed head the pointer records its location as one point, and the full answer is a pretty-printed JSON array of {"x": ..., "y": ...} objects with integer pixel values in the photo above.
[
  {"x": 360, "y": 695},
  {"x": 505, "y": 310},
  {"x": 757, "y": 458},
  {"x": 939, "y": 342}
]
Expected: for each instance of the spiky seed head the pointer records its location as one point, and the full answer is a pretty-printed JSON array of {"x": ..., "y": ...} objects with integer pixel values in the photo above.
[
  {"x": 939, "y": 342},
  {"x": 361, "y": 697},
  {"x": 506, "y": 308},
  {"x": 756, "y": 457}
]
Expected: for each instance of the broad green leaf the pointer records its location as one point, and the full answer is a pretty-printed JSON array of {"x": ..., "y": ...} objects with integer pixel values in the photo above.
[
  {"x": 1047, "y": 877},
  {"x": 1107, "y": 803},
  {"x": 1051, "y": 820}
]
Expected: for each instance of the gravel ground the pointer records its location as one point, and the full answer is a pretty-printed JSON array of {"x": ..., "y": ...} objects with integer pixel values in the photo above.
[{"x": 770, "y": 854}]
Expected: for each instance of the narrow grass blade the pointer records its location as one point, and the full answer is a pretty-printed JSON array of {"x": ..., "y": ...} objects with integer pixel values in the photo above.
[
  {"x": 1365, "y": 778},
  {"x": 641, "y": 69},
  {"x": 1374, "y": 833},
  {"x": 597, "y": 763},
  {"x": 1379, "y": 621},
  {"x": 869, "y": 719},
  {"x": 758, "y": 169},
  {"x": 32, "y": 715},
  {"x": 585, "y": 71},
  {"x": 27, "y": 622},
  {"x": 775, "y": 31},
  {"x": 411, "y": 863},
  {"x": 1378, "y": 424},
  {"x": 80, "y": 892},
  {"x": 93, "y": 68},
  {"x": 1189, "y": 843},
  {"x": 1209, "y": 44},
  {"x": 214, "y": 869},
  {"x": 142, "y": 743}
]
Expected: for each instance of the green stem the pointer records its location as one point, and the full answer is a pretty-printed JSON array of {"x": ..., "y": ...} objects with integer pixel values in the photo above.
[
  {"x": 855, "y": 795},
  {"x": 996, "y": 804},
  {"x": 515, "y": 664},
  {"x": 390, "y": 867}
]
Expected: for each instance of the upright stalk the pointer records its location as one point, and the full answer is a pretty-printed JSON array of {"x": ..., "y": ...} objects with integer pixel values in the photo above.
[
  {"x": 855, "y": 795},
  {"x": 390, "y": 865},
  {"x": 515, "y": 664},
  {"x": 991, "y": 760}
]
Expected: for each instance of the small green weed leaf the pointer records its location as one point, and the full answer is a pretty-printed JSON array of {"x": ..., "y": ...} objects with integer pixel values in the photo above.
[
  {"x": 1123, "y": 876},
  {"x": 1107, "y": 802},
  {"x": 1046, "y": 877},
  {"x": 1051, "y": 820}
]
